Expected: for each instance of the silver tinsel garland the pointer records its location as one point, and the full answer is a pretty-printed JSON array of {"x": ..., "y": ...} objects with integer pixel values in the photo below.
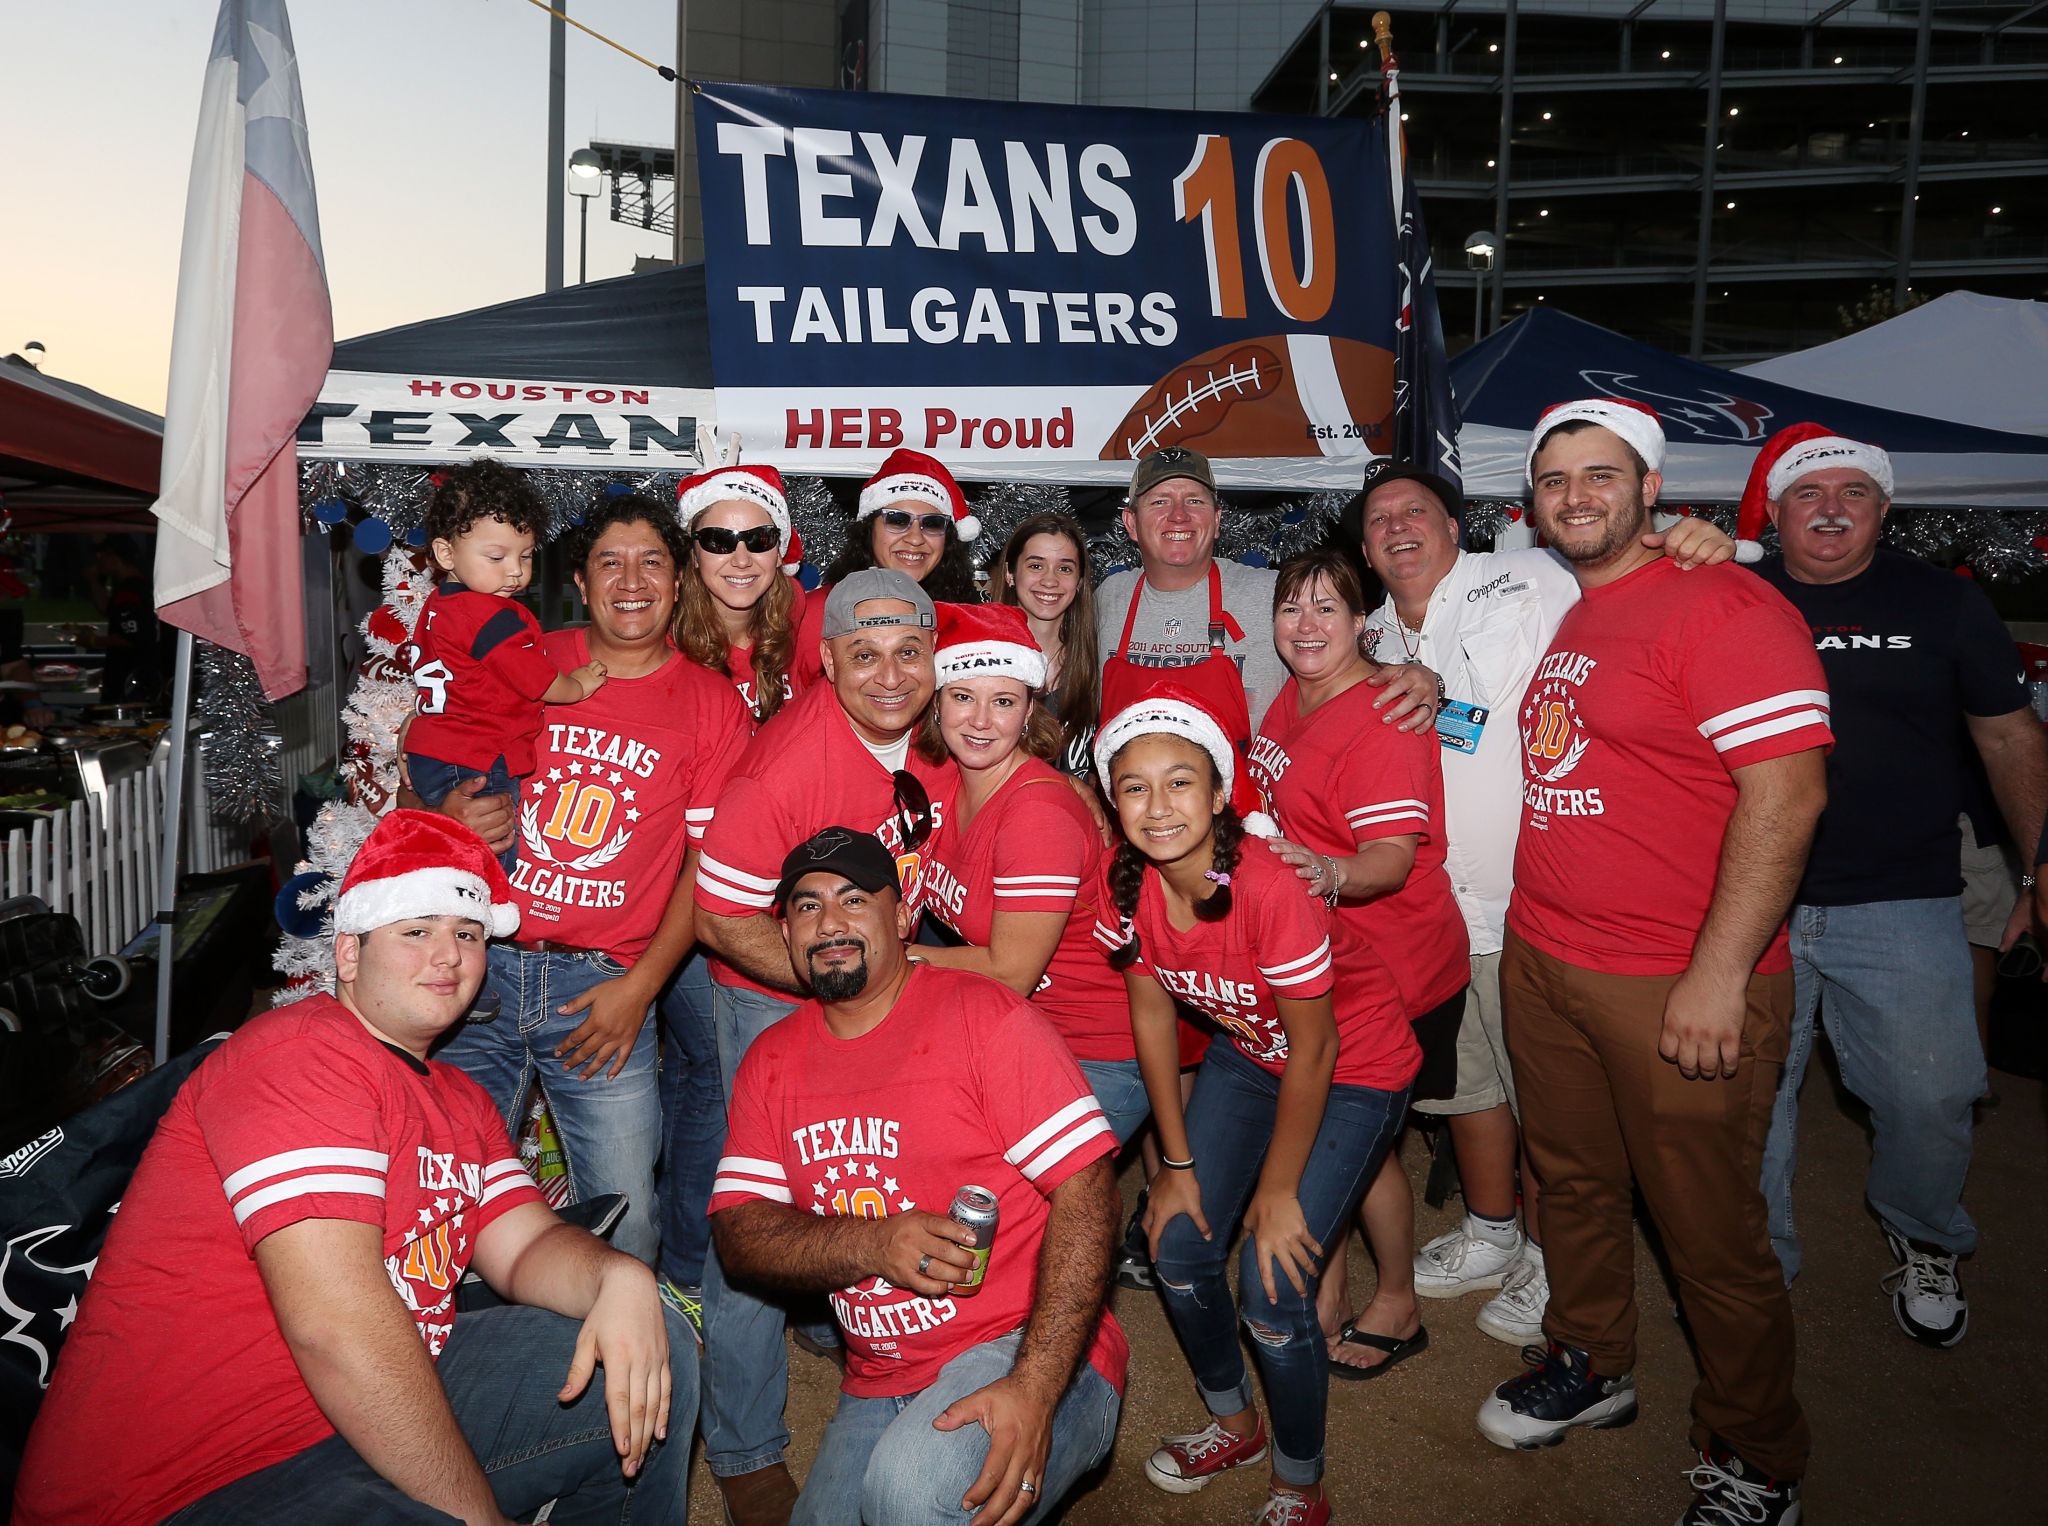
[
  {"x": 239, "y": 743},
  {"x": 1257, "y": 538},
  {"x": 1003, "y": 506}
]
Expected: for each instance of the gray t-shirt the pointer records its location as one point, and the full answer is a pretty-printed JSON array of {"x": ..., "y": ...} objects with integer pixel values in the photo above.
[{"x": 1172, "y": 629}]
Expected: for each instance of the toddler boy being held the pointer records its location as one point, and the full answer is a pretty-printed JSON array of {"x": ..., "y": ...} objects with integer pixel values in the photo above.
[{"x": 478, "y": 666}]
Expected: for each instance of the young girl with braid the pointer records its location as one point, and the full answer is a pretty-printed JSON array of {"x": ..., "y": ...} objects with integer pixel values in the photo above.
[{"x": 1295, "y": 1103}]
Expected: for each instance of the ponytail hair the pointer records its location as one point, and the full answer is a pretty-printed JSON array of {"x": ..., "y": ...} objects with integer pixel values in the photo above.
[{"x": 1127, "y": 877}]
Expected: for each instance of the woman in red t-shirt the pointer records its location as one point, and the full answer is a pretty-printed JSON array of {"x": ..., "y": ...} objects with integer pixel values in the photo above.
[
  {"x": 1361, "y": 814},
  {"x": 1288, "y": 1120},
  {"x": 1010, "y": 876},
  {"x": 739, "y": 605}
]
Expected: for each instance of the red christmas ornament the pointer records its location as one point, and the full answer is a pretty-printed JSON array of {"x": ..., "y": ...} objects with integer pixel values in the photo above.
[{"x": 385, "y": 625}]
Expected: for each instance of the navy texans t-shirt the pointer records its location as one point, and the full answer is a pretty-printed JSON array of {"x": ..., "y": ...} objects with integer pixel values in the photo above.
[{"x": 1909, "y": 651}]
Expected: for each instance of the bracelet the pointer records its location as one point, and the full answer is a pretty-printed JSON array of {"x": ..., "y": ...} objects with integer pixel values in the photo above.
[{"x": 1178, "y": 1165}]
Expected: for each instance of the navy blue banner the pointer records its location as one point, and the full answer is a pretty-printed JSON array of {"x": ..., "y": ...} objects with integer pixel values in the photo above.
[{"x": 1013, "y": 285}]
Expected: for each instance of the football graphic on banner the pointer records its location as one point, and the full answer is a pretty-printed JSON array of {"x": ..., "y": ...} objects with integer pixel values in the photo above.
[{"x": 1285, "y": 394}]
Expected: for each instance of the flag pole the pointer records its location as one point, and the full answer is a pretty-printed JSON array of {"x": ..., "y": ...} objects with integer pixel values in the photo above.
[{"x": 167, "y": 861}]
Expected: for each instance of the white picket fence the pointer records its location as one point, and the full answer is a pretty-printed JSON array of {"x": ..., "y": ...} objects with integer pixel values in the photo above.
[{"x": 99, "y": 867}]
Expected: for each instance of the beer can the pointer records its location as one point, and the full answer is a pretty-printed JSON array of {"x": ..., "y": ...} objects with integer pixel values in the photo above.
[{"x": 975, "y": 1207}]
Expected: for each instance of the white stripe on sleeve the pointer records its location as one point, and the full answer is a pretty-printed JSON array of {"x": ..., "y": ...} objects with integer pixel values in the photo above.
[
  {"x": 1714, "y": 725},
  {"x": 1728, "y": 741},
  {"x": 734, "y": 885},
  {"x": 1065, "y": 1145},
  {"x": 1386, "y": 810},
  {"x": 1278, "y": 971},
  {"x": 1301, "y": 971},
  {"x": 752, "y": 1188},
  {"x": 753, "y": 1165},
  {"x": 304, "y": 1186},
  {"x": 510, "y": 1181},
  {"x": 1080, "y": 1107},
  {"x": 298, "y": 1160}
]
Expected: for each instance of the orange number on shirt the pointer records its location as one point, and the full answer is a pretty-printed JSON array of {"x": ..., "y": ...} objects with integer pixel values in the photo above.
[
  {"x": 582, "y": 812},
  {"x": 1553, "y": 726},
  {"x": 427, "y": 1259},
  {"x": 864, "y": 1203}
]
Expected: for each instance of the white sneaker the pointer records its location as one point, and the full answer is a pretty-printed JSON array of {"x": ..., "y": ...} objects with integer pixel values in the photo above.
[
  {"x": 1460, "y": 1262},
  {"x": 1515, "y": 1314},
  {"x": 1927, "y": 1301}
]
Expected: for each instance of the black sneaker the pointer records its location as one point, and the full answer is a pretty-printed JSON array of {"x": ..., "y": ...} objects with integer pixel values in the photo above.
[
  {"x": 1927, "y": 1301},
  {"x": 1728, "y": 1492},
  {"x": 1557, "y": 1393},
  {"x": 1134, "y": 1256}
]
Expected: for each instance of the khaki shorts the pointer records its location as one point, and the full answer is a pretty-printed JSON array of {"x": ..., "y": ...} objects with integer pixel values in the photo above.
[
  {"x": 1991, "y": 888},
  {"x": 1485, "y": 1078}
]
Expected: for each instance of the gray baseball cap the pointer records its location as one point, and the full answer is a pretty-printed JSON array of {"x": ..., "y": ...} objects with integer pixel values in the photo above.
[
  {"x": 858, "y": 588},
  {"x": 1163, "y": 465}
]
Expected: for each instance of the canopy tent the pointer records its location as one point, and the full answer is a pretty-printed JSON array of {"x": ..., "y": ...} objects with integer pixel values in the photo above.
[
  {"x": 1964, "y": 357},
  {"x": 72, "y": 459},
  {"x": 1715, "y": 420}
]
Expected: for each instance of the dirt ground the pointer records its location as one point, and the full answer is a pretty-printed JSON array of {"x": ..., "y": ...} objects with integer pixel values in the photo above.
[{"x": 1901, "y": 1433}]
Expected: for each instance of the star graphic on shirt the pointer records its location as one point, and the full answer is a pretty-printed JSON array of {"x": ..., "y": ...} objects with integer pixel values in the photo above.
[
  {"x": 627, "y": 796},
  {"x": 461, "y": 1244},
  {"x": 440, "y": 1205},
  {"x": 818, "y": 1209},
  {"x": 539, "y": 788},
  {"x": 617, "y": 777},
  {"x": 576, "y": 768},
  {"x": 426, "y": 1216},
  {"x": 817, "y": 1189},
  {"x": 458, "y": 1221},
  {"x": 67, "y": 1314},
  {"x": 632, "y": 813},
  {"x": 831, "y": 1173},
  {"x": 555, "y": 775},
  {"x": 904, "y": 1205},
  {"x": 872, "y": 1172},
  {"x": 888, "y": 1184}
]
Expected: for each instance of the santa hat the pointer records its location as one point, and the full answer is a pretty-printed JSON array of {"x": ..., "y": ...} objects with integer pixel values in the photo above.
[
  {"x": 1204, "y": 704},
  {"x": 1635, "y": 423},
  {"x": 758, "y": 485},
  {"x": 988, "y": 641},
  {"x": 912, "y": 474},
  {"x": 1789, "y": 455},
  {"x": 421, "y": 864}
]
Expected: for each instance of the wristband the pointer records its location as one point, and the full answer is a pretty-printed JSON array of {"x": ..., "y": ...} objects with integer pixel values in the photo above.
[{"x": 1178, "y": 1165}]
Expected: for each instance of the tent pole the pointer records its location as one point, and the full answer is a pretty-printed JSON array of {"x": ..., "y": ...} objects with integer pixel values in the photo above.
[{"x": 167, "y": 861}]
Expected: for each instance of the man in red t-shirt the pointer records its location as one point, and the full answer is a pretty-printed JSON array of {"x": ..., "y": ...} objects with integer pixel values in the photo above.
[
  {"x": 623, "y": 787},
  {"x": 1673, "y": 754},
  {"x": 839, "y": 755},
  {"x": 973, "y": 1381},
  {"x": 271, "y": 1331}
]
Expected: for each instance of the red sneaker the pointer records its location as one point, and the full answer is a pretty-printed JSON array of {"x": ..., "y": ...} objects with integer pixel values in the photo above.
[
  {"x": 1285, "y": 1509},
  {"x": 1184, "y": 1464}
]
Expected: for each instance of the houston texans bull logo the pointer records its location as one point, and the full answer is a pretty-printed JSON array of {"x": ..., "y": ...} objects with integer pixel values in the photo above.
[{"x": 1707, "y": 414}]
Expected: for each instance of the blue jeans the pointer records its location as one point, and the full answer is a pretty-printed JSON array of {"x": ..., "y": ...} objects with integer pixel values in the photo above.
[
  {"x": 1230, "y": 1122},
  {"x": 746, "y": 1364},
  {"x": 1892, "y": 981},
  {"x": 610, "y": 1128},
  {"x": 1120, "y": 1089},
  {"x": 882, "y": 1464},
  {"x": 500, "y": 1370},
  {"x": 433, "y": 781},
  {"x": 692, "y": 1121}
]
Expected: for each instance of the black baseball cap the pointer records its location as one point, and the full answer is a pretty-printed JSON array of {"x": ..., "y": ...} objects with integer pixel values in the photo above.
[
  {"x": 1384, "y": 470},
  {"x": 857, "y": 857},
  {"x": 1165, "y": 465}
]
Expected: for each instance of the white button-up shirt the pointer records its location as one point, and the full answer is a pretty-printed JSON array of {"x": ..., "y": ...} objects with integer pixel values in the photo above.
[{"x": 1489, "y": 623}]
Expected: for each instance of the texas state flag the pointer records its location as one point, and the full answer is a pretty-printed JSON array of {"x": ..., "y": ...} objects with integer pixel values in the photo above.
[{"x": 253, "y": 336}]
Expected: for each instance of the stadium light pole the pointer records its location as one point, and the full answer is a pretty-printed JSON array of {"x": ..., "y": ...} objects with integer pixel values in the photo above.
[
  {"x": 585, "y": 170},
  {"x": 1479, "y": 249}
]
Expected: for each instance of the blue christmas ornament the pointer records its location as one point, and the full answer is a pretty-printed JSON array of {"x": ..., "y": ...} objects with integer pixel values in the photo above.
[
  {"x": 373, "y": 536},
  {"x": 330, "y": 511},
  {"x": 295, "y": 919},
  {"x": 416, "y": 536}
]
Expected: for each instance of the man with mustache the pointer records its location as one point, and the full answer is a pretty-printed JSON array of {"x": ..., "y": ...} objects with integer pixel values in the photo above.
[
  {"x": 840, "y": 753},
  {"x": 990, "y": 1386},
  {"x": 1920, "y": 670},
  {"x": 1672, "y": 742}
]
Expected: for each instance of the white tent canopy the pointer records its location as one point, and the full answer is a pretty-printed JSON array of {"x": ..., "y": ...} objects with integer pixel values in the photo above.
[{"x": 1964, "y": 357}]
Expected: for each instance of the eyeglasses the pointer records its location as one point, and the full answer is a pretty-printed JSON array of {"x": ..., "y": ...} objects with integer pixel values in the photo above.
[
  {"x": 913, "y": 809},
  {"x": 902, "y": 519},
  {"x": 720, "y": 541}
]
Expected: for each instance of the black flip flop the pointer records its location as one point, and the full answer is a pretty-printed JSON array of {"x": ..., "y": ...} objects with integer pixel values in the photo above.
[{"x": 1397, "y": 1351}]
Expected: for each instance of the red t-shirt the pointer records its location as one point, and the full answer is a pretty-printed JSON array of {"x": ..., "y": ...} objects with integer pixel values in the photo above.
[
  {"x": 739, "y": 660},
  {"x": 1035, "y": 847},
  {"x": 962, "y": 1084},
  {"x": 1276, "y": 941},
  {"x": 805, "y": 770},
  {"x": 480, "y": 670},
  {"x": 625, "y": 781},
  {"x": 1655, "y": 688},
  {"x": 176, "y": 1380},
  {"x": 1335, "y": 780}
]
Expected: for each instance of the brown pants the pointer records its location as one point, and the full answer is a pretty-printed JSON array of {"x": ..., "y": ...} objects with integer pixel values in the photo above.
[{"x": 1599, "y": 1106}]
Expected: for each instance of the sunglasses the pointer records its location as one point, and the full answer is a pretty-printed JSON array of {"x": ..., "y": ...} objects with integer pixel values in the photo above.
[
  {"x": 720, "y": 541},
  {"x": 913, "y": 809},
  {"x": 902, "y": 519}
]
